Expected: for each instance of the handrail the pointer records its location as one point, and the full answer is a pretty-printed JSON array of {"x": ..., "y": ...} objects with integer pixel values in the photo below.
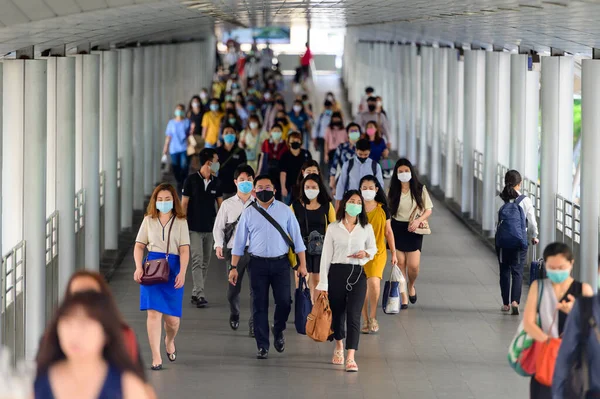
[
  {"x": 13, "y": 283},
  {"x": 102, "y": 186},
  {"x": 478, "y": 165},
  {"x": 51, "y": 263},
  {"x": 119, "y": 173},
  {"x": 500, "y": 173},
  {"x": 79, "y": 209}
]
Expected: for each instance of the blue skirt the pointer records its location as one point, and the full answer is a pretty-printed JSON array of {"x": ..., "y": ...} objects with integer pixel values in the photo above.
[{"x": 163, "y": 298}]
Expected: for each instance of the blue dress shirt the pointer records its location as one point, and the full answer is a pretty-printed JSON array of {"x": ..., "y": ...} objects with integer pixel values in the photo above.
[
  {"x": 356, "y": 173},
  {"x": 178, "y": 130},
  {"x": 262, "y": 237}
]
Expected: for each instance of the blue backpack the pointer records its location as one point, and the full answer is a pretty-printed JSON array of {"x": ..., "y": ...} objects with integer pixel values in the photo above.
[{"x": 511, "y": 231}]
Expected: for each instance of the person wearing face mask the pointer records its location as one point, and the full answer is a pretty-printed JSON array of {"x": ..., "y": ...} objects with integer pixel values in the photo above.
[
  {"x": 251, "y": 140},
  {"x": 335, "y": 105},
  {"x": 355, "y": 168},
  {"x": 307, "y": 106},
  {"x": 268, "y": 229},
  {"x": 230, "y": 119},
  {"x": 271, "y": 116},
  {"x": 371, "y": 114},
  {"x": 253, "y": 110},
  {"x": 267, "y": 105},
  {"x": 301, "y": 120},
  {"x": 319, "y": 128},
  {"x": 369, "y": 92},
  {"x": 195, "y": 113},
  {"x": 282, "y": 119},
  {"x": 164, "y": 232},
  {"x": 204, "y": 99},
  {"x": 408, "y": 197},
  {"x": 230, "y": 157},
  {"x": 176, "y": 142},
  {"x": 344, "y": 152},
  {"x": 224, "y": 230},
  {"x": 269, "y": 160},
  {"x": 335, "y": 135},
  {"x": 349, "y": 245},
  {"x": 379, "y": 106},
  {"x": 202, "y": 196},
  {"x": 559, "y": 292},
  {"x": 290, "y": 163},
  {"x": 378, "y": 145},
  {"x": 314, "y": 212},
  {"x": 211, "y": 124},
  {"x": 308, "y": 168}
]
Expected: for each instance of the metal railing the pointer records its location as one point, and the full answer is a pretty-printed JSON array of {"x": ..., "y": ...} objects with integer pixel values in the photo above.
[
  {"x": 80, "y": 228},
  {"x": 12, "y": 317},
  {"x": 102, "y": 207},
  {"x": 500, "y": 173},
  {"x": 478, "y": 186},
  {"x": 51, "y": 264},
  {"x": 568, "y": 226},
  {"x": 119, "y": 173},
  {"x": 458, "y": 157},
  {"x": 443, "y": 155},
  {"x": 533, "y": 191}
]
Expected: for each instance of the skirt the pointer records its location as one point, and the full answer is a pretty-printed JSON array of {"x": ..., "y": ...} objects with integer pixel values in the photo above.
[
  {"x": 404, "y": 239},
  {"x": 163, "y": 298}
]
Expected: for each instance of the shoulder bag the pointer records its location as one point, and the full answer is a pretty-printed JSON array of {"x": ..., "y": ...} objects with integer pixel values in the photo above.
[
  {"x": 292, "y": 252},
  {"x": 546, "y": 357},
  {"x": 423, "y": 228},
  {"x": 157, "y": 271},
  {"x": 314, "y": 240}
]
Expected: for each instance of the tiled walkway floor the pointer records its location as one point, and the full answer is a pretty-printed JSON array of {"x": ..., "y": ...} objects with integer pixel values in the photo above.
[{"x": 451, "y": 344}]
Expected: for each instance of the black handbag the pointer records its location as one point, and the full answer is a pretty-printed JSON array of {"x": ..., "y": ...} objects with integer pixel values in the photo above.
[
  {"x": 314, "y": 240},
  {"x": 230, "y": 229}
]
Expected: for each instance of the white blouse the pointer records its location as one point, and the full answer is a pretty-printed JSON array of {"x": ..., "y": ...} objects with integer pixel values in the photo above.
[{"x": 339, "y": 244}]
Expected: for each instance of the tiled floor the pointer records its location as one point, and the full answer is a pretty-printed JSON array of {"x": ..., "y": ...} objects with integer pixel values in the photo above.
[{"x": 451, "y": 344}]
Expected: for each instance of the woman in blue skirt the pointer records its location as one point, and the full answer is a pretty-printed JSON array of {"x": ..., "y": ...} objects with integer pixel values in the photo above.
[{"x": 163, "y": 232}]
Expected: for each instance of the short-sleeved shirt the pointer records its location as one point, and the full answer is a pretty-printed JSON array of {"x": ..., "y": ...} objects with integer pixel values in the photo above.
[
  {"x": 154, "y": 235},
  {"x": 202, "y": 206},
  {"x": 408, "y": 205},
  {"x": 292, "y": 164},
  {"x": 178, "y": 131},
  {"x": 212, "y": 122},
  {"x": 377, "y": 150},
  {"x": 299, "y": 120},
  {"x": 229, "y": 161},
  {"x": 274, "y": 151}
]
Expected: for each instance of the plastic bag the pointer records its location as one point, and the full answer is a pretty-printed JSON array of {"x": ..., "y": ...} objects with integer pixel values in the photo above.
[{"x": 390, "y": 301}]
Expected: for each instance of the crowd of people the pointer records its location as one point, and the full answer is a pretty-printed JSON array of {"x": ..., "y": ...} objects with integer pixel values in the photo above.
[{"x": 275, "y": 189}]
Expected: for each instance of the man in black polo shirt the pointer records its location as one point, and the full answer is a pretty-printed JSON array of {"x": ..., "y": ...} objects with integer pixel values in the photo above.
[
  {"x": 230, "y": 157},
  {"x": 202, "y": 196}
]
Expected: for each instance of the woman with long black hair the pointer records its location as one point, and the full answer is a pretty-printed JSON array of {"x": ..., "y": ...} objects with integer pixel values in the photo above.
[
  {"x": 410, "y": 206},
  {"x": 512, "y": 260}
]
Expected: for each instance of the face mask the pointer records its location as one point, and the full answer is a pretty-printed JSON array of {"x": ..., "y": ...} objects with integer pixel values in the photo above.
[
  {"x": 267, "y": 96},
  {"x": 251, "y": 108},
  {"x": 281, "y": 121},
  {"x": 234, "y": 86},
  {"x": 336, "y": 123},
  {"x": 371, "y": 107},
  {"x": 164, "y": 206},
  {"x": 203, "y": 96},
  {"x": 362, "y": 159},
  {"x": 214, "y": 107},
  {"x": 404, "y": 177},
  {"x": 195, "y": 105},
  {"x": 311, "y": 194},
  {"x": 379, "y": 104},
  {"x": 353, "y": 209},
  {"x": 354, "y": 136},
  {"x": 253, "y": 125},
  {"x": 265, "y": 195},
  {"x": 276, "y": 136},
  {"x": 328, "y": 112},
  {"x": 215, "y": 167},
  {"x": 295, "y": 145},
  {"x": 229, "y": 138},
  {"x": 179, "y": 113},
  {"x": 228, "y": 98},
  {"x": 368, "y": 195},
  {"x": 245, "y": 187},
  {"x": 305, "y": 102},
  {"x": 297, "y": 108},
  {"x": 558, "y": 276},
  {"x": 330, "y": 98},
  {"x": 371, "y": 131},
  {"x": 231, "y": 121}
]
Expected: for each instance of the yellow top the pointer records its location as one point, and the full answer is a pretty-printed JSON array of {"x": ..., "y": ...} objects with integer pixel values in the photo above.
[
  {"x": 377, "y": 219},
  {"x": 407, "y": 205},
  {"x": 212, "y": 122}
]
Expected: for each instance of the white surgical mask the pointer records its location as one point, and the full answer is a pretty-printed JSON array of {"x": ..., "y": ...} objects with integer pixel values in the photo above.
[
  {"x": 297, "y": 108},
  {"x": 311, "y": 194},
  {"x": 195, "y": 104},
  {"x": 203, "y": 95},
  {"x": 253, "y": 125},
  {"x": 404, "y": 177},
  {"x": 368, "y": 195}
]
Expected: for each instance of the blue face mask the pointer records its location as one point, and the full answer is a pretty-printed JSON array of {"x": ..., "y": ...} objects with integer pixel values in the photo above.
[
  {"x": 328, "y": 112},
  {"x": 558, "y": 276},
  {"x": 229, "y": 138},
  {"x": 164, "y": 206},
  {"x": 214, "y": 107},
  {"x": 245, "y": 187},
  {"x": 179, "y": 113}
]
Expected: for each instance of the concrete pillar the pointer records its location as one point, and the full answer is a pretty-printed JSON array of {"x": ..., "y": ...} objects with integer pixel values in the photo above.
[
  {"x": 401, "y": 79},
  {"x": 126, "y": 152},
  {"x": 61, "y": 130},
  {"x": 148, "y": 107},
  {"x": 518, "y": 116},
  {"x": 440, "y": 112},
  {"x": 590, "y": 165},
  {"x": 110, "y": 148},
  {"x": 452, "y": 122},
  {"x": 426, "y": 86},
  {"x": 138, "y": 129},
  {"x": 158, "y": 131},
  {"x": 413, "y": 89},
  {"x": 557, "y": 140},
  {"x": 24, "y": 182},
  {"x": 532, "y": 122}
]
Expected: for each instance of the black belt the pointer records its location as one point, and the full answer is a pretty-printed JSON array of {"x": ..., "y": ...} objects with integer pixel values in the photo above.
[{"x": 284, "y": 256}]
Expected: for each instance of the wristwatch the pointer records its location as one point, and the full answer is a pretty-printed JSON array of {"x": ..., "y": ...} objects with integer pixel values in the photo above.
[{"x": 231, "y": 267}]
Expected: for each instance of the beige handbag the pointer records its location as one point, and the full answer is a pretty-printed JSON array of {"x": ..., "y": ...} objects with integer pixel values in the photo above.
[
  {"x": 423, "y": 228},
  {"x": 191, "y": 148}
]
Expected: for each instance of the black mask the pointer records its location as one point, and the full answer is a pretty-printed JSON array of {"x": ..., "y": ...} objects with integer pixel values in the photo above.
[
  {"x": 362, "y": 160},
  {"x": 295, "y": 145},
  {"x": 265, "y": 195},
  {"x": 282, "y": 121},
  {"x": 371, "y": 107}
]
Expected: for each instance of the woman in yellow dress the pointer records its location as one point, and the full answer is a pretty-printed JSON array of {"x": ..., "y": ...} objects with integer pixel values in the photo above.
[{"x": 380, "y": 218}]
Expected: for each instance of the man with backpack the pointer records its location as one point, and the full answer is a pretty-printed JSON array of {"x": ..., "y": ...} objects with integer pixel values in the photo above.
[{"x": 355, "y": 168}]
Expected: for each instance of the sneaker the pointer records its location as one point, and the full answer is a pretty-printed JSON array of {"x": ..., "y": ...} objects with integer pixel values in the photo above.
[
  {"x": 194, "y": 300},
  {"x": 201, "y": 302}
]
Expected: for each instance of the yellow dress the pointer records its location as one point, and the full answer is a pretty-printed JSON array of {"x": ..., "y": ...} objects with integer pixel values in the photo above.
[{"x": 377, "y": 219}]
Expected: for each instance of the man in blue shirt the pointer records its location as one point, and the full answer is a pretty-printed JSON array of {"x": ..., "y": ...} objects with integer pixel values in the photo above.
[
  {"x": 269, "y": 264},
  {"x": 318, "y": 133},
  {"x": 176, "y": 141}
]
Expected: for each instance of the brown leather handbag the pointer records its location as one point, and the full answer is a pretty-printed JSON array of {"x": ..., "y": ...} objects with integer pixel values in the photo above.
[
  {"x": 157, "y": 271},
  {"x": 318, "y": 322}
]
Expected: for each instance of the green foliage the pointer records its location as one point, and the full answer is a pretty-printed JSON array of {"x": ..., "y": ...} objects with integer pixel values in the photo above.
[{"x": 576, "y": 121}]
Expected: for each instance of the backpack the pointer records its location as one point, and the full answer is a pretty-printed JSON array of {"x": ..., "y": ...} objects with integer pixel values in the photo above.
[
  {"x": 511, "y": 231},
  {"x": 351, "y": 165}
]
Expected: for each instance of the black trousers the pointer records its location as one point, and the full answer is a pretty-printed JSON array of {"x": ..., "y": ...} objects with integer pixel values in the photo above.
[
  {"x": 347, "y": 291},
  {"x": 275, "y": 274},
  {"x": 233, "y": 291},
  {"x": 511, "y": 263},
  {"x": 320, "y": 146}
]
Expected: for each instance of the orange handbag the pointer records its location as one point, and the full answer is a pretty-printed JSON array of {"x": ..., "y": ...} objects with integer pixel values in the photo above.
[{"x": 546, "y": 358}]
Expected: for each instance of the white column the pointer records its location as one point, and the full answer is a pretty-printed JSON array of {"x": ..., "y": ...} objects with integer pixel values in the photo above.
[
  {"x": 148, "y": 104},
  {"x": 1, "y": 153},
  {"x": 426, "y": 85},
  {"x": 434, "y": 173},
  {"x": 400, "y": 79},
  {"x": 590, "y": 165},
  {"x": 61, "y": 129},
  {"x": 532, "y": 122},
  {"x": 518, "y": 118},
  {"x": 452, "y": 122},
  {"x": 413, "y": 87},
  {"x": 417, "y": 104},
  {"x": 474, "y": 110},
  {"x": 126, "y": 135},
  {"x": 24, "y": 182},
  {"x": 138, "y": 129},
  {"x": 557, "y": 140},
  {"x": 110, "y": 148},
  {"x": 158, "y": 131}
]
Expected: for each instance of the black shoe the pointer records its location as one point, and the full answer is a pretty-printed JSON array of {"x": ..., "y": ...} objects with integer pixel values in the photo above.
[
  {"x": 404, "y": 306},
  {"x": 201, "y": 302},
  {"x": 234, "y": 321},
  {"x": 251, "y": 332},
  {"x": 262, "y": 354},
  {"x": 413, "y": 298},
  {"x": 279, "y": 343},
  {"x": 156, "y": 367},
  {"x": 194, "y": 300}
]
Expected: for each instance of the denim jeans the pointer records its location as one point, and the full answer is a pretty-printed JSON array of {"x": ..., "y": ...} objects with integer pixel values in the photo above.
[{"x": 179, "y": 161}]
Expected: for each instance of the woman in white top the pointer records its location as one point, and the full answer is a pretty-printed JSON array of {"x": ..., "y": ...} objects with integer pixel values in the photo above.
[
  {"x": 512, "y": 261},
  {"x": 349, "y": 245}
]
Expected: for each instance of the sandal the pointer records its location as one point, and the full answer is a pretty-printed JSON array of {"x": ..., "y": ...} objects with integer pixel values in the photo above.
[
  {"x": 338, "y": 357},
  {"x": 366, "y": 327},
  {"x": 351, "y": 366},
  {"x": 505, "y": 308},
  {"x": 374, "y": 326}
]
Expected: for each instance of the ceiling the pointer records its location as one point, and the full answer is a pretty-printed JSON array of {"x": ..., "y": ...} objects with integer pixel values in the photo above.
[{"x": 568, "y": 25}]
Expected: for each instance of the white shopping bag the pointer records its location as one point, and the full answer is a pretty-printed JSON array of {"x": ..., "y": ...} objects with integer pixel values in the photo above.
[{"x": 391, "y": 291}]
